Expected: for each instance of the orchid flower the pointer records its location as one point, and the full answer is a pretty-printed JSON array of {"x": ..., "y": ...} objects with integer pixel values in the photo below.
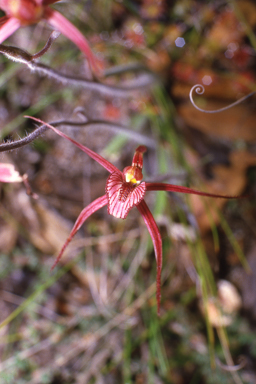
[
  {"x": 125, "y": 190},
  {"x": 21, "y": 13},
  {"x": 8, "y": 174}
]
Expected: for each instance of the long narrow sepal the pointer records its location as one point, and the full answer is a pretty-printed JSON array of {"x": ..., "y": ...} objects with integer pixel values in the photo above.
[
  {"x": 157, "y": 242},
  {"x": 72, "y": 33},
  {"x": 181, "y": 189},
  {"x": 106, "y": 164},
  {"x": 8, "y": 28},
  {"x": 86, "y": 212}
]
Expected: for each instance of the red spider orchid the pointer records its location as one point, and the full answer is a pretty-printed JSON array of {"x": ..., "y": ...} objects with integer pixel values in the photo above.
[
  {"x": 125, "y": 190},
  {"x": 25, "y": 12}
]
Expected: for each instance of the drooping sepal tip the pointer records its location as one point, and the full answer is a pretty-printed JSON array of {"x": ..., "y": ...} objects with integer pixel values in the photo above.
[{"x": 158, "y": 287}]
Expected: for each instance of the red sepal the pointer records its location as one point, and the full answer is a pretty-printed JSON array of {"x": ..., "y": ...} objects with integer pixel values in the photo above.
[
  {"x": 86, "y": 212},
  {"x": 58, "y": 21},
  {"x": 157, "y": 242},
  {"x": 106, "y": 164},
  {"x": 181, "y": 189}
]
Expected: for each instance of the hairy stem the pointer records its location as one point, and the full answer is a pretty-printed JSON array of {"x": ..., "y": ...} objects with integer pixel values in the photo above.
[{"x": 94, "y": 124}]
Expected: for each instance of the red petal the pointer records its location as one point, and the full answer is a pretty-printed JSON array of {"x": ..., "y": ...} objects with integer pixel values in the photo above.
[
  {"x": 86, "y": 212},
  {"x": 72, "y": 33},
  {"x": 157, "y": 242},
  {"x": 106, "y": 164},
  {"x": 180, "y": 189},
  {"x": 122, "y": 196}
]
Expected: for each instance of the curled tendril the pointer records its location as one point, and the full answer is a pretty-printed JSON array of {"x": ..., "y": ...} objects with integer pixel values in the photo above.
[{"x": 199, "y": 89}]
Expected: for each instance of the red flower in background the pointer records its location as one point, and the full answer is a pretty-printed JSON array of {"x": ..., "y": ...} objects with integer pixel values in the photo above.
[
  {"x": 21, "y": 13},
  {"x": 8, "y": 174},
  {"x": 125, "y": 190}
]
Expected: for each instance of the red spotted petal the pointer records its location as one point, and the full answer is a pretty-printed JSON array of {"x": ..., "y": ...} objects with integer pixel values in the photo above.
[{"x": 122, "y": 196}]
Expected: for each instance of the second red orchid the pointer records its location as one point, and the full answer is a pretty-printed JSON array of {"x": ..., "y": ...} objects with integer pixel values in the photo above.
[{"x": 26, "y": 12}]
